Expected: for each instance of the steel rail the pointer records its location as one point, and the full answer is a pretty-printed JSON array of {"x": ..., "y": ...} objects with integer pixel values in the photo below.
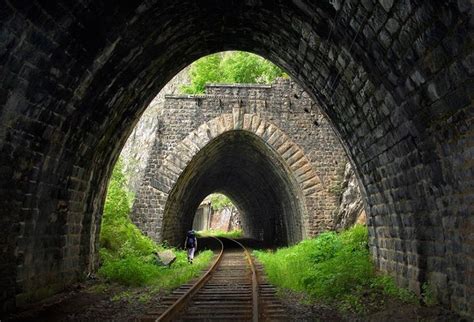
[
  {"x": 255, "y": 308},
  {"x": 180, "y": 303}
]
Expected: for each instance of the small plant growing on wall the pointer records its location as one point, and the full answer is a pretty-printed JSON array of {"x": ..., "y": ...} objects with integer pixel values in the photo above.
[
  {"x": 428, "y": 295},
  {"x": 337, "y": 187}
]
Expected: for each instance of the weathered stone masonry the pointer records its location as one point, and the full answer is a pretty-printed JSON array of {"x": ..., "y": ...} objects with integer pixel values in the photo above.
[
  {"x": 394, "y": 77},
  {"x": 308, "y": 142}
]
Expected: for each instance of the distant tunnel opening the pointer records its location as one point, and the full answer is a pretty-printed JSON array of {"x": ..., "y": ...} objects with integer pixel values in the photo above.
[
  {"x": 217, "y": 214},
  {"x": 242, "y": 166}
]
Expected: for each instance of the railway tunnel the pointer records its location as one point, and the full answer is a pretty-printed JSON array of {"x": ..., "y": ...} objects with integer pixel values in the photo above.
[
  {"x": 242, "y": 166},
  {"x": 394, "y": 78},
  {"x": 310, "y": 158}
]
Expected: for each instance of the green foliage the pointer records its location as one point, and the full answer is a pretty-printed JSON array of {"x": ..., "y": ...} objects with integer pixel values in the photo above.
[
  {"x": 118, "y": 200},
  {"x": 98, "y": 288},
  {"x": 243, "y": 67},
  {"x": 203, "y": 71},
  {"x": 231, "y": 67},
  {"x": 387, "y": 285},
  {"x": 428, "y": 295},
  {"x": 118, "y": 234},
  {"x": 125, "y": 295},
  {"x": 236, "y": 233},
  {"x": 127, "y": 255},
  {"x": 138, "y": 271},
  {"x": 219, "y": 201},
  {"x": 331, "y": 267},
  {"x": 128, "y": 270},
  {"x": 337, "y": 188}
]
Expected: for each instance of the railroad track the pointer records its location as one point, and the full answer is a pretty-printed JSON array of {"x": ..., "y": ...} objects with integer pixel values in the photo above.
[{"x": 232, "y": 289}]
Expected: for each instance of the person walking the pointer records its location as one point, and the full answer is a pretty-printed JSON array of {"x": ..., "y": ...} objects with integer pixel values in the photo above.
[{"x": 190, "y": 244}]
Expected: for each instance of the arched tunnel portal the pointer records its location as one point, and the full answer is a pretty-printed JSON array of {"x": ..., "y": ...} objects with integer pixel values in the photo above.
[
  {"x": 394, "y": 78},
  {"x": 243, "y": 166}
]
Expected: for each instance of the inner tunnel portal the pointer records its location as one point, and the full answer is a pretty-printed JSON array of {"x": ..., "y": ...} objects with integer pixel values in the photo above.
[{"x": 242, "y": 166}]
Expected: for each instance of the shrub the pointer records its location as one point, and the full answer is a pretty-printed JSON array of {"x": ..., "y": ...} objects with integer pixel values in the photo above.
[
  {"x": 231, "y": 67},
  {"x": 127, "y": 255},
  {"x": 219, "y": 201},
  {"x": 331, "y": 267},
  {"x": 137, "y": 271},
  {"x": 129, "y": 270}
]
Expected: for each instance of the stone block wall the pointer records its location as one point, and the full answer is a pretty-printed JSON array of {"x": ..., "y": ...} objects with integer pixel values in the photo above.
[
  {"x": 284, "y": 104},
  {"x": 394, "y": 77}
]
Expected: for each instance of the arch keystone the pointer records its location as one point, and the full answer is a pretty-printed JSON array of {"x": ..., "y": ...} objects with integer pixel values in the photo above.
[
  {"x": 213, "y": 127},
  {"x": 228, "y": 122},
  {"x": 190, "y": 145},
  {"x": 255, "y": 123},
  {"x": 261, "y": 128},
  {"x": 284, "y": 147},
  {"x": 247, "y": 122},
  {"x": 298, "y": 164},
  {"x": 204, "y": 133},
  {"x": 291, "y": 151},
  {"x": 274, "y": 138},
  {"x": 238, "y": 117},
  {"x": 279, "y": 140},
  {"x": 221, "y": 124},
  {"x": 304, "y": 168},
  {"x": 269, "y": 132}
]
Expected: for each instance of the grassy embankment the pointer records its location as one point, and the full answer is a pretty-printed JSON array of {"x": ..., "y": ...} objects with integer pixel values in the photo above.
[
  {"x": 335, "y": 269},
  {"x": 127, "y": 255}
]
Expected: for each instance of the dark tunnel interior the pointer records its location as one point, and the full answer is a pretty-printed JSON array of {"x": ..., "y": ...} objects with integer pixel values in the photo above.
[{"x": 242, "y": 166}]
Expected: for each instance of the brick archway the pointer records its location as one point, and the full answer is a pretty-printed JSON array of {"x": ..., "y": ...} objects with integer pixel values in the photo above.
[{"x": 291, "y": 157}]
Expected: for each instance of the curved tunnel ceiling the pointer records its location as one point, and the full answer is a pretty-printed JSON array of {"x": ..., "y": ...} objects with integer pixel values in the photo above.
[
  {"x": 242, "y": 166},
  {"x": 63, "y": 123}
]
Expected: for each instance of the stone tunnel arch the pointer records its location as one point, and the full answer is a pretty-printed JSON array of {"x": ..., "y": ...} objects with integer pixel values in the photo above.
[
  {"x": 258, "y": 146},
  {"x": 394, "y": 77}
]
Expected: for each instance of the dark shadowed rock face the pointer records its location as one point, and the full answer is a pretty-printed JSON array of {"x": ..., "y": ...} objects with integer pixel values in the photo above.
[
  {"x": 394, "y": 78},
  {"x": 226, "y": 218},
  {"x": 140, "y": 143}
]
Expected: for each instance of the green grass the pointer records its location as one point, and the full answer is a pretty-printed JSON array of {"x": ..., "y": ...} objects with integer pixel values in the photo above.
[
  {"x": 127, "y": 255},
  {"x": 335, "y": 268},
  {"x": 236, "y": 233},
  {"x": 137, "y": 271}
]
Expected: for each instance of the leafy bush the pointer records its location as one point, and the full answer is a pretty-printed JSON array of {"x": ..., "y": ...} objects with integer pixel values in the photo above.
[
  {"x": 331, "y": 267},
  {"x": 219, "y": 201},
  {"x": 127, "y": 255},
  {"x": 231, "y": 67},
  {"x": 118, "y": 234}
]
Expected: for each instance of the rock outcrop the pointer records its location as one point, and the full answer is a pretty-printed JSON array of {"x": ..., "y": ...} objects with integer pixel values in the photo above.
[
  {"x": 137, "y": 149},
  {"x": 351, "y": 207}
]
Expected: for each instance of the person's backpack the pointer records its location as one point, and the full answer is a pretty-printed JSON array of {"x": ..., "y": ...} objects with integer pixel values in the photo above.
[{"x": 191, "y": 242}]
